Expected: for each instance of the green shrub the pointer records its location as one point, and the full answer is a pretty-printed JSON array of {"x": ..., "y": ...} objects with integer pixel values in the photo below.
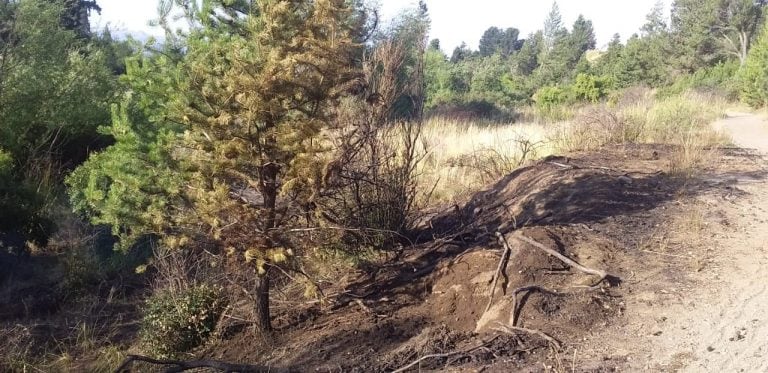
[
  {"x": 549, "y": 97},
  {"x": 753, "y": 77},
  {"x": 716, "y": 79},
  {"x": 591, "y": 88},
  {"x": 176, "y": 322}
]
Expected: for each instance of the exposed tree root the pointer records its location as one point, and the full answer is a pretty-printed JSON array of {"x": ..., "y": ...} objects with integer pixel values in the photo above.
[
  {"x": 603, "y": 275},
  {"x": 512, "y": 329},
  {"x": 181, "y": 366},
  {"x": 500, "y": 270},
  {"x": 444, "y": 355}
]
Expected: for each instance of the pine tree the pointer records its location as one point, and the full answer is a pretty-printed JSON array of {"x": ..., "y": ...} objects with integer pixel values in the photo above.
[
  {"x": 554, "y": 29},
  {"x": 223, "y": 143},
  {"x": 753, "y": 77},
  {"x": 255, "y": 119},
  {"x": 654, "y": 21}
]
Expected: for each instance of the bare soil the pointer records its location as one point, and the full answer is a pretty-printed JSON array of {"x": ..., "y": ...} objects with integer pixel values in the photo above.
[
  {"x": 687, "y": 292},
  {"x": 681, "y": 249}
]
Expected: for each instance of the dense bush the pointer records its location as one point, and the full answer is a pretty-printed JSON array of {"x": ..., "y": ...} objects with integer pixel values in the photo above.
[
  {"x": 718, "y": 79},
  {"x": 753, "y": 77},
  {"x": 176, "y": 322},
  {"x": 549, "y": 97},
  {"x": 591, "y": 88}
]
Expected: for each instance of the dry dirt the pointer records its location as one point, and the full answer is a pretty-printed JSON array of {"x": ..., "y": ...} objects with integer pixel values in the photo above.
[
  {"x": 717, "y": 320},
  {"x": 688, "y": 254}
]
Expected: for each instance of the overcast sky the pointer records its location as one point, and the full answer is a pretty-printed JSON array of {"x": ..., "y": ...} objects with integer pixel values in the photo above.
[{"x": 453, "y": 21}]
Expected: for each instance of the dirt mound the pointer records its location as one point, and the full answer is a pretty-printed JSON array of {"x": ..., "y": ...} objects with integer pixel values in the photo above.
[
  {"x": 595, "y": 208},
  {"x": 461, "y": 289},
  {"x": 560, "y": 190}
]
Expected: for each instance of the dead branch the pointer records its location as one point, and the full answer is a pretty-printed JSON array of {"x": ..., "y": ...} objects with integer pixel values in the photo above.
[
  {"x": 500, "y": 270},
  {"x": 596, "y": 272},
  {"x": 512, "y": 329},
  {"x": 444, "y": 355},
  {"x": 181, "y": 366},
  {"x": 515, "y": 311}
]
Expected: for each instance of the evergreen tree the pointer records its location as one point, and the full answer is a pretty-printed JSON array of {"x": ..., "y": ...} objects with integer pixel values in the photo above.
[
  {"x": 609, "y": 62},
  {"x": 583, "y": 35},
  {"x": 554, "y": 29},
  {"x": 434, "y": 44},
  {"x": 694, "y": 43},
  {"x": 753, "y": 77},
  {"x": 253, "y": 106},
  {"x": 527, "y": 59},
  {"x": 461, "y": 53},
  {"x": 76, "y": 13},
  {"x": 655, "y": 24},
  {"x": 496, "y": 40},
  {"x": 738, "y": 23}
]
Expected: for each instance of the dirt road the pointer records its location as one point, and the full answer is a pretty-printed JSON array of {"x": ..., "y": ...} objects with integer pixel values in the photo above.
[
  {"x": 727, "y": 330},
  {"x": 718, "y": 320}
]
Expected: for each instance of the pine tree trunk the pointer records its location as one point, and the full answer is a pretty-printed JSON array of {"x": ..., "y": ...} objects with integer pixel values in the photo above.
[{"x": 261, "y": 290}]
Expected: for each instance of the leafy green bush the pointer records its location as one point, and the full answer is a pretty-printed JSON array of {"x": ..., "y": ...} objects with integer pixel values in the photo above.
[
  {"x": 717, "y": 79},
  {"x": 178, "y": 322},
  {"x": 590, "y": 87},
  {"x": 549, "y": 97}
]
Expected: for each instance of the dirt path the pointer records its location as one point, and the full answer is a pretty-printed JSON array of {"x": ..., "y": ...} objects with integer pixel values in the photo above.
[
  {"x": 717, "y": 319},
  {"x": 728, "y": 330}
]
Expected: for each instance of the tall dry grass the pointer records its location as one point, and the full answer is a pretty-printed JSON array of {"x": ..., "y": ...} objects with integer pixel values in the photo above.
[{"x": 463, "y": 156}]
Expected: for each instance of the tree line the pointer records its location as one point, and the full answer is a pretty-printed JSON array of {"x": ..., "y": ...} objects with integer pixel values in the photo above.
[{"x": 702, "y": 45}]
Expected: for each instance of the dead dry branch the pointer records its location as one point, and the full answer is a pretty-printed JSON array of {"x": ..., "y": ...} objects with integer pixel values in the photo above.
[
  {"x": 182, "y": 366},
  {"x": 500, "y": 270},
  {"x": 445, "y": 355},
  {"x": 603, "y": 275}
]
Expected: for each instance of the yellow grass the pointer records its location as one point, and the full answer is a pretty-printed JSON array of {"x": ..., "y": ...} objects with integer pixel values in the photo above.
[{"x": 464, "y": 156}]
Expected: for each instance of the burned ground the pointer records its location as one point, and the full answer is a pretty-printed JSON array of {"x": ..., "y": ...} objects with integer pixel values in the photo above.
[{"x": 601, "y": 209}]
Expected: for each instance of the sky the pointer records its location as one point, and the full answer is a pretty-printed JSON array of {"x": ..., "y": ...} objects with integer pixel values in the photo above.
[{"x": 453, "y": 21}]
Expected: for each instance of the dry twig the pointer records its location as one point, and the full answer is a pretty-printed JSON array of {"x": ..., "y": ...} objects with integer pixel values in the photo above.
[
  {"x": 500, "y": 270},
  {"x": 596, "y": 272},
  {"x": 444, "y": 355},
  {"x": 512, "y": 329},
  {"x": 181, "y": 366}
]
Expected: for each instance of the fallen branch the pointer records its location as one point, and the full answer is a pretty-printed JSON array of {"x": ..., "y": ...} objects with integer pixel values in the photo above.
[
  {"x": 512, "y": 329},
  {"x": 444, "y": 355},
  {"x": 500, "y": 270},
  {"x": 515, "y": 311},
  {"x": 596, "y": 272},
  {"x": 181, "y": 366}
]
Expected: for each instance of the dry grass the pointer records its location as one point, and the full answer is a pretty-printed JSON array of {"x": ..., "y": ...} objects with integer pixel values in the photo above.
[{"x": 463, "y": 156}]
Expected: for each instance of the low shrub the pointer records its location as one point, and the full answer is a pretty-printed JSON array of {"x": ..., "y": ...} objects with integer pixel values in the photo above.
[{"x": 177, "y": 322}]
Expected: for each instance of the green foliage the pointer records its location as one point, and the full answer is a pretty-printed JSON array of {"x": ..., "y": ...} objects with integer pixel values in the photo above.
[
  {"x": 591, "y": 88},
  {"x": 695, "y": 46},
  {"x": 176, "y": 322},
  {"x": 753, "y": 77},
  {"x": 550, "y": 97},
  {"x": 719, "y": 79},
  {"x": 55, "y": 90},
  {"x": 496, "y": 40},
  {"x": 134, "y": 185},
  {"x": 54, "y": 87}
]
